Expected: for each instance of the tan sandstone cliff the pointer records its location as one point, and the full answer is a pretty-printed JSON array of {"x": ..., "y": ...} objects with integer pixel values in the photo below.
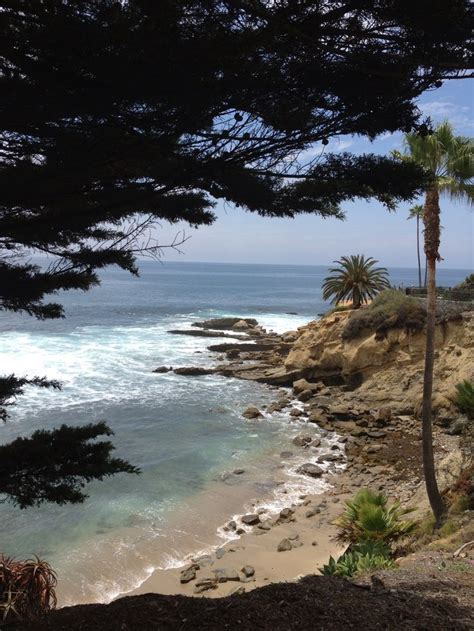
[{"x": 388, "y": 370}]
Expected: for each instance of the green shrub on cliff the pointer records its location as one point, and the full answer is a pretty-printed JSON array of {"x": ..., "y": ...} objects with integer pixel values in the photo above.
[
  {"x": 369, "y": 518},
  {"x": 369, "y": 525},
  {"x": 364, "y": 557},
  {"x": 465, "y": 397},
  {"x": 390, "y": 309}
]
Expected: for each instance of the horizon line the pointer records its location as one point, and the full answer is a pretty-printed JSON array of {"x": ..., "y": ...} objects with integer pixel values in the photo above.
[{"x": 164, "y": 260}]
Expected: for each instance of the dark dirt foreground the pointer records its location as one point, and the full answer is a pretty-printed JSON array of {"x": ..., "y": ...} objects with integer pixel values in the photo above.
[{"x": 429, "y": 591}]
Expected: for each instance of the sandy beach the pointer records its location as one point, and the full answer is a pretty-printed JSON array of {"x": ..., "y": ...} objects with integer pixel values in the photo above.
[{"x": 308, "y": 529}]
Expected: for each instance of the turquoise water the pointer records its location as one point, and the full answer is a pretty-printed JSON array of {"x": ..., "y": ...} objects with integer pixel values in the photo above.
[{"x": 185, "y": 433}]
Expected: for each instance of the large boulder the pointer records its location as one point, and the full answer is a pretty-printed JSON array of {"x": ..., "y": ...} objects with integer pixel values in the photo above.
[
  {"x": 193, "y": 371},
  {"x": 224, "y": 323},
  {"x": 310, "y": 469},
  {"x": 301, "y": 385},
  {"x": 284, "y": 545},
  {"x": 252, "y": 412},
  {"x": 302, "y": 440},
  {"x": 241, "y": 325},
  {"x": 251, "y": 519}
]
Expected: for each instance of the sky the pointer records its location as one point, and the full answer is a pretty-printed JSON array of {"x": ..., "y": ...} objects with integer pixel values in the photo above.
[{"x": 242, "y": 237}]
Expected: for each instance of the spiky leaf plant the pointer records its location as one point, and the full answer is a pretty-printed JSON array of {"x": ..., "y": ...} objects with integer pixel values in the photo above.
[
  {"x": 365, "y": 557},
  {"x": 367, "y": 517},
  {"x": 356, "y": 279},
  {"x": 27, "y": 588}
]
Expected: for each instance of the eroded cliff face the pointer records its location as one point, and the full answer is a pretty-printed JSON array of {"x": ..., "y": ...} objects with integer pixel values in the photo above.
[{"x": 388, "y": 370}]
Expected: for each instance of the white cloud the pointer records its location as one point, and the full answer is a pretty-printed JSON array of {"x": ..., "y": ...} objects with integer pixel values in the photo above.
[{"x": 459, "y": 115}]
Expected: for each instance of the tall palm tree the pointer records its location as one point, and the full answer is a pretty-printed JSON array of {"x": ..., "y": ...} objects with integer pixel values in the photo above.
[
  {"x": 355, "y": 279},
  {"x": 416, "y": 213},
  {"x": 450, "y": 160}
]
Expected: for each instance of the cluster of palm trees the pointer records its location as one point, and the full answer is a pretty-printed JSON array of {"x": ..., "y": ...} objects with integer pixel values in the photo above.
[{"x": 449, "y": 160}]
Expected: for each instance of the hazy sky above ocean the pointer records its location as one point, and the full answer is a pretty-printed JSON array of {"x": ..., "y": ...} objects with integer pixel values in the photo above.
[{"x": 242, "y": 237}]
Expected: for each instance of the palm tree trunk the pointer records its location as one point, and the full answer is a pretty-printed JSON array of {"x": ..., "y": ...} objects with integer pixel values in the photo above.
[
  {"x": 426, "y": 271},
  {"x": 418, "y": 248},
  {"x": 432, "y": 234}
]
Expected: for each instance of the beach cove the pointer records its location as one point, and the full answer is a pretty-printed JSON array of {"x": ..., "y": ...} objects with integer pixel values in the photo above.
[{"x": 188, "y": 433}]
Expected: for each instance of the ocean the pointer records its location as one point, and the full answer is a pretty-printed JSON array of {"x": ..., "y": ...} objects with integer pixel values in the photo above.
[{"x": 186, "y": 433}]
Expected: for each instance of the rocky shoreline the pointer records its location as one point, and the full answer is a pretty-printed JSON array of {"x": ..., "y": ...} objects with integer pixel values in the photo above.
[{"x": 364, "y": 392}]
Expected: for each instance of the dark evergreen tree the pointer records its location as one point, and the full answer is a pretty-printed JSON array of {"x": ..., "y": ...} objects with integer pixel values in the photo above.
[{"x": 118, "y": 115}]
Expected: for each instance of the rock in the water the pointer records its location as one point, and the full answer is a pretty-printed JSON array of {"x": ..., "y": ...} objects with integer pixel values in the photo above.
[
  {"x": 223, "y": 324},
  {"x": 241, "y": 325},
  {"x": 193, "y": 371},
  {"x": 251, "y": 519},
  {"x": 305, "y": 395},
  {"x": 332, "y": 457},
  {"x": 248, "y": 570},
  {"x": 238, "y": 471},
  {"x": 284, "y": 545},
  {"x": 162, "y": 369},
  {"x": 286, "y": 454},
  {"x": 224, "y": 574},
  {"x": 318, "y": 416},
  {"x": 220, "y": 553},
  {"x": 302, "y": 440},
  {"x": 310, "y": 469},
  {"x": 252, "y": 412},
  {"x": 296, "y": 412},
  {"x": 232, "y": 525}
]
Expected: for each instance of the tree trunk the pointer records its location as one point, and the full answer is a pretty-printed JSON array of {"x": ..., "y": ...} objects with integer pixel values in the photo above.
[
  {"x": 432, "y": 231},
  {"x": 418, "y": 248},
  {"x": 426, "y": 271}
]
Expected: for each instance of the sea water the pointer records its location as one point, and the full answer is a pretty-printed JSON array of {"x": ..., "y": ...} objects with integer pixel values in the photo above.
[{"x": 187, "y": 434}]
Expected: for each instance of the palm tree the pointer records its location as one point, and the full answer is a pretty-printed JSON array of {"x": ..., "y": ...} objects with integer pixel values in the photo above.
[
  {"x": 415, "y": 213},
  {"x": 450, "y": 161},
  {"x": 355, "y": 279}
]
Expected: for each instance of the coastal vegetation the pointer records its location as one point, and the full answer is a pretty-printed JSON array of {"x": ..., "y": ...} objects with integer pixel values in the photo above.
[
  {"x": 369, "y": 517},
  {"x": 389, "y": 309},
  {"x": 465, "y": 397},
  {"x": 370, "y": 526},
  {"x": 356, "y": 279},
  {"x": 27, "y": 589},
  {"x": 449, "y": 160}
]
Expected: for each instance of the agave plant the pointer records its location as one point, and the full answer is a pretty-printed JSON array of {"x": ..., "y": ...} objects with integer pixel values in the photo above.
[
  {"x": 27, "y": 588},
  {"x": 364, "y": 557},
  {"x": 367, "y": 517},
  {"x": 356, "y": 279}
]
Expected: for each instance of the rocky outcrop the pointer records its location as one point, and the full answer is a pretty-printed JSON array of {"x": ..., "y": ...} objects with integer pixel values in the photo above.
[
  {"x": 225, "y": 323},
  {"x": 385, "y": 370}
]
